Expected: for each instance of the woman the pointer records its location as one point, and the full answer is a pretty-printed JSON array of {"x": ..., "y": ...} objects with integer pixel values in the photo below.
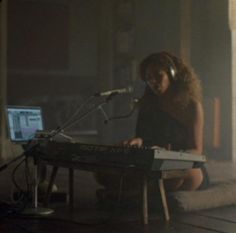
[{"x": 171, "y": 114}]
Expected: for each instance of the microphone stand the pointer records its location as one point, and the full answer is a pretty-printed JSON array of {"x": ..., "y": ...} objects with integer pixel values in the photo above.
[
  {"x": 39, "y": 211},
  {"x": 83, "y": 116},
  {"x": 104, "y": 114},
  {"x": 35, "y": 210},
  {"x": 67, "y": 122},
  {"x": 59, "y": 129}
]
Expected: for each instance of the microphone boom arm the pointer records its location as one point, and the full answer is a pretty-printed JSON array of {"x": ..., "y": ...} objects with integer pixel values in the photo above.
[{"x": 99, "y": 106}]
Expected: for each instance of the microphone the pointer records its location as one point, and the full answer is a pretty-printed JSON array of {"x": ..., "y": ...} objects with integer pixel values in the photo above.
[{"x": 115, "y": 91}]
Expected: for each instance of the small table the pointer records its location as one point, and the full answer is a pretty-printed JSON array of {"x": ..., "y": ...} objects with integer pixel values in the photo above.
[{"x": 162, "y": 175}]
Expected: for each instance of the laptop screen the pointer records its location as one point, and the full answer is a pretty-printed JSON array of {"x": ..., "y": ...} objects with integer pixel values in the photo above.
[{"x": 23, "y": 122}]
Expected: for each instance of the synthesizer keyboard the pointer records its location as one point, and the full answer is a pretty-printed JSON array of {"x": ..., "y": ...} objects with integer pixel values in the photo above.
[{"x": 117, "y": 156}]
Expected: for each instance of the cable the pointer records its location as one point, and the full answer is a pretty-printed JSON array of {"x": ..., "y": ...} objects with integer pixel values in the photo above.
[
  {"x": 23, "y": 197},
  {"x": 136, "y": 102},
  {"x": 13, "y": 176}
]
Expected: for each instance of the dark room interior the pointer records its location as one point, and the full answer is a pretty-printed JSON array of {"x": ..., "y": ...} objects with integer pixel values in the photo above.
[{"x": 78, "y": 61}]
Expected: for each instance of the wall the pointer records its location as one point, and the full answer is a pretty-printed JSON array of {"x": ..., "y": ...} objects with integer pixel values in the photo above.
[
  {"x": 3, "y": 76},
  {"x": 211, "y": 58},
  {"x": 52, "y": 58},
  {"x": 77, "y": 54},
  {"x": 157, "y": 27}
]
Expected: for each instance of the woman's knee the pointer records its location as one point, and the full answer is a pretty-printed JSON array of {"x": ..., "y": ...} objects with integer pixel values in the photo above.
[{"x": 193, "y": 179}]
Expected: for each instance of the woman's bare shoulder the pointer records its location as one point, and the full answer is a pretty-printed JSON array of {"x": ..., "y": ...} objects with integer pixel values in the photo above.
[{"x": 195, "y": 109}]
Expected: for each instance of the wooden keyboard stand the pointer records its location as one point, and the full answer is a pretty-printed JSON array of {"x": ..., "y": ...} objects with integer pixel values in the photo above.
[{"x": 162, "y": 175}]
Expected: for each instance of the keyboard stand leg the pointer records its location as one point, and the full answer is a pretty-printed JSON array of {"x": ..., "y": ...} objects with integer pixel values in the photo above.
[
  {"x": 145, "y": 199},
  {"x": 71, "y": 188},
  {"x": 51, "y": 182},
  {"x": 163, "y": 199}
]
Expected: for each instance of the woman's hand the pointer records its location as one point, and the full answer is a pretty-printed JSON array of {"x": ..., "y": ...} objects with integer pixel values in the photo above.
[
  {"x": 133, "y": 142},
  {"x": 157, "y": 147}
]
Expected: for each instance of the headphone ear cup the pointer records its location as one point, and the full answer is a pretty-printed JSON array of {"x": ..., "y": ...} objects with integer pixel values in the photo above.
[{"x": 172, "y": 72}]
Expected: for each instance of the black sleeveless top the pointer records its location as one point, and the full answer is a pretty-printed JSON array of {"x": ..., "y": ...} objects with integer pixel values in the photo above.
[{"x": 157, "y": 127}]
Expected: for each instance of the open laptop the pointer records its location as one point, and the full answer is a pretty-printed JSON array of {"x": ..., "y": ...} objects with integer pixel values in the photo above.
[{"x": 23, "y": 122}]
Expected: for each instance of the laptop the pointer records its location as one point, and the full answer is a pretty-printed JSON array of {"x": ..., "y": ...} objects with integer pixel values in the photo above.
[{"x": 23, "y": 122}]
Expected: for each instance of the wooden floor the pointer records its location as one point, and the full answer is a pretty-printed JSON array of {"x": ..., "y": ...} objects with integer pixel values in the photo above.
[
  {"x": 89, "y": 217},
  {"x": 92, "y": 218}
]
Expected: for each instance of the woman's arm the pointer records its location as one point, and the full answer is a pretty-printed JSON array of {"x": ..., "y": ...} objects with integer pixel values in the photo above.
[{"x": 196, "y": 124}]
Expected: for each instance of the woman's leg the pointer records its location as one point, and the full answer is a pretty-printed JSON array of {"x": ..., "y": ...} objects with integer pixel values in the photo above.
[{"x": 191, "y": 181}]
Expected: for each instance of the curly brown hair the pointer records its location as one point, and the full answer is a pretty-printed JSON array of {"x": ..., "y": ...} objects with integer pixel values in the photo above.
[{"x": 185, "y": 84}]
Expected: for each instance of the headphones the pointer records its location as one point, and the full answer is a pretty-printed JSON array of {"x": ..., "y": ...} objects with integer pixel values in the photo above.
[
  {"x": 165, "y": 58},
  {"x": 173, "y": 73},
  {"x": 172, "y": 67}
]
